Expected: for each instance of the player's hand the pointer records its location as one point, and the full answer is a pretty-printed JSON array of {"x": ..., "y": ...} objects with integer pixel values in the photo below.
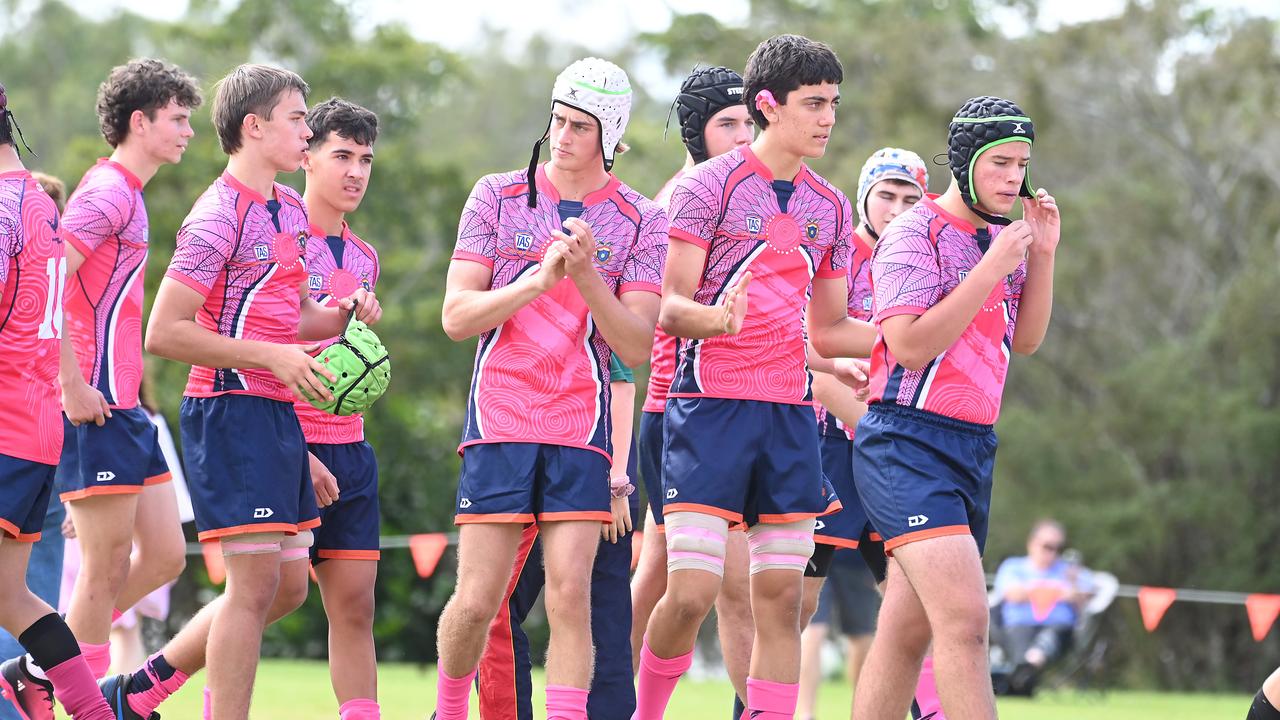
[
  {"x": 365, "y": 304},
  {"x": 84, "y": 403},
  {"x": 551, "y": 271},
  {"x": 1045, "y": 221},
  {"x": 68, "y": 527},
  {"x": 734, "y": 308},
  {"x": 1009, "y": 248},
  {"x": 621, "y": 524},
  {"x": 296, "y": 369},
  {"x": 579, "y": 248},
  {"x": 323, "y": 482},
  {"x": 854, "y": 373}
]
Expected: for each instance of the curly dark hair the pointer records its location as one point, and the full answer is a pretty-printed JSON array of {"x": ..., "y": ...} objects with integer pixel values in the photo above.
[
  {"x": 145, "y": 84},
  {"x": 783, "y": 63},
  {"x": 348, "y": 119}
]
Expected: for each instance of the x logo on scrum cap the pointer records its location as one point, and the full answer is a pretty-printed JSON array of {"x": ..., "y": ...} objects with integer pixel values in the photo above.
[
  {"x": 1017, "y": 129},
  {"x": 573, "y": 93}
]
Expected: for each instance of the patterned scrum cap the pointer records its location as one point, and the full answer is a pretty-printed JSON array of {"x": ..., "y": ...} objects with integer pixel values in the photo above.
[
  {"x": 363, "y": 368},
  {"x": 981, "y": 124}
]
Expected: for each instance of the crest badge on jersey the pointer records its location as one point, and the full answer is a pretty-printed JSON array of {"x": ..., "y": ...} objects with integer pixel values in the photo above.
[
  {"x": 811, "y": 230},
  {"x": 524, "y": 241},
  {"x": 754, "y": 224},
  {"x": 603, "y": 253}
]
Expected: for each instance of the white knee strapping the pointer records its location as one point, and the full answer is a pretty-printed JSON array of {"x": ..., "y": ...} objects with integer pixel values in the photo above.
[
  {"x": 296, "y": 547},
  {"x": 252, "y": 544},
  {"x": 781, "y": 546},
  {"x": 696, "y": 541}
]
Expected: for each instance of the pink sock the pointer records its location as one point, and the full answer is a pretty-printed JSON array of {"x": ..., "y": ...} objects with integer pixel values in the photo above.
[
  {"x": 927, "y": 692},
  {"x": 98, "y": 657},
  {"x": 768, "y": 700},
  {"x": 360, "y": 709},
  {"x": 566, "y": 703},
  {"x": 452, "y": 695},
  {"x": 656, "y": 681},
  {"x": 208, "y": 704},
  {"x": 160, "y": 680},
  {"x": 77, "y": 690}
]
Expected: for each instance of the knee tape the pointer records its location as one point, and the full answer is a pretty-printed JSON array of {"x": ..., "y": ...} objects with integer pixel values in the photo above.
[
  {"x": 696, "y": 541},
  {"x": 781, "y": 546},
  {"x": 296, "y": 547},
  {"x": 252, "y": 544}
]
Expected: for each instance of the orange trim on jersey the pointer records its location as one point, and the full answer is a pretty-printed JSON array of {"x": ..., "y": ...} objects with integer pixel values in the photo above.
[
  {"x": 639, "y": 286},
  {"x": 522, "y": 518},
  {"x": 929, "y": 534},
  {"x": 570, "y": 515},
  {"x": 220, "y": 533},
  {"x": 349, "y": 554},
  {"x": 100, "y": 490},
  {"x": 729, "y": 515},
  {"x": 787, "y": 517},
  {"x": 160, "y": 479},
  {"x": 473, "y": 257},
  {"x": 683, "y": 236},
  {"x": 836, "y": 541}
]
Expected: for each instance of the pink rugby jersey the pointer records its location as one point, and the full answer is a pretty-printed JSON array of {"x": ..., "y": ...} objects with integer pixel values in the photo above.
[
  {"x": 33, "y": 272},
  {"x": 106, "y": 222},
  {"x": 543, "y": 375},
  {"x": 859, "y": 309},
  {"x": 662, "y": 359},
  {"x": 923, "y": 255},
  {"x": 336, "y": 268},
  {"x": 728, "y": 206},
  {"x": 246, "y": 255}
]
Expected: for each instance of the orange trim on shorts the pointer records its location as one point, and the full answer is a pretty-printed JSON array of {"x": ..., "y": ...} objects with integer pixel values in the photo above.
[
  {"x": 522, "y": 518},
  {"x": 929, "y": 534},
  {"x": 160, "y": 479},
  {"x": 833, "y": 508},
  {"x": 571, "y": 515},
  {"x": 220, "y": 533},
  {"x": 836, "y": 541},
  {"x": 729, "y": 515},
  {"x": 875, "y": 537},
  {"x": 100, "y": 490},
  {"x": 349, "y": 554},
  {"x": 16, "y": 533},
  {"x": 787, "y": 517},
  {"x": 738, "y": 527},
  {"x": 308, "y": 524}
]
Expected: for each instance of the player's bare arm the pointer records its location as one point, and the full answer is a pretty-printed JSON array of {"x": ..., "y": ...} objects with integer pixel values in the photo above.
[
  {"x": 172, "y": 333},
  {"x": 81, "y": 402},
  {"x": 914, "y": 340},
  {"x": 832, "y": 332},
  {"x": 319, "y": 322},
  {"x": 681, "y": 315},
  {"x": 1036, "y": 305},
  {"x": 471, "y": 307}
]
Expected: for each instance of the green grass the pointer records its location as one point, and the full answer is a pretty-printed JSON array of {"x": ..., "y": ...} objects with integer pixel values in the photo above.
[{"x": 299, "y": 690}]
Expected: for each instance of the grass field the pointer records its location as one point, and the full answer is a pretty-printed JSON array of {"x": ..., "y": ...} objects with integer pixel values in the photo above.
[{"x": 299, "y": 690}]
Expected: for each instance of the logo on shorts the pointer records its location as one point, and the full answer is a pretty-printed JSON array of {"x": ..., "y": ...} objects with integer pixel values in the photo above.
[
  {"x": 917, "y": 520},
  {"x": 464, "y": 503},
  {"x": 105, "y": 476},
  {"x": 672, "y": 493},
  {"x": 262, "y": 513},
  {"x": 524, "y": 241},
  {"x": 819, "y": 525},
  {"x": 754, "y": 224}
]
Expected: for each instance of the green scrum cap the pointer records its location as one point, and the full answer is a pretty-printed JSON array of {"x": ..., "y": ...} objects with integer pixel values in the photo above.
[{"x": 360, "y": 362}]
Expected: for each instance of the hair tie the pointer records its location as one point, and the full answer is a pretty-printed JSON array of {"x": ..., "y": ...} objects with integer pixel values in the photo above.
[{"x": 765, "y": 99}]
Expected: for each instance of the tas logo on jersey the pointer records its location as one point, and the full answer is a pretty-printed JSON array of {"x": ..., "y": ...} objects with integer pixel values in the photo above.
[
  {"x": 262, "y": 513},
  {"x": 524, "y": 241},
  {"x": 866, "y": 304},
  {"x": 262, "y": 251},
  {"x": 105, "y": 476},
  {"x": 315, "y": 282},
  {"x": 963, "y": 274},
  {"x": 464, "y": 503},
  {"x": 811, "y": 230},
  {"x": 754, "y": 224},
  {"x": 917, "y": 520},
  {"x": 672, "y": 493}
]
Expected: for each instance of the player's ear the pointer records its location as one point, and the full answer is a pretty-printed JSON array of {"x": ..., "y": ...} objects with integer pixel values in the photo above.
[
  {"x": 249, "y": 127},
  {"x": 306, "y": 160}
]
